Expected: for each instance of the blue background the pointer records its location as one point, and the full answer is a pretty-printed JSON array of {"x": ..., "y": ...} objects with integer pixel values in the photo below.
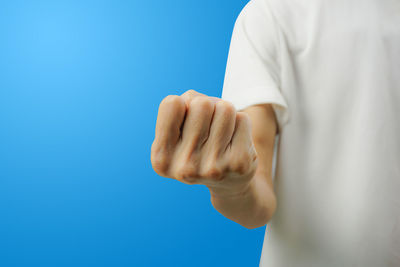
[{"x": 80, "y": 85}]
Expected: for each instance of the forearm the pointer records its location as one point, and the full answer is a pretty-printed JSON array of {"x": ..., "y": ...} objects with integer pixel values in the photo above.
[{"x": 252, "y": 208}]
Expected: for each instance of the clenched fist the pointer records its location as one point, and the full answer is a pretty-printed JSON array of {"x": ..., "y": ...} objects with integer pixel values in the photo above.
[{"x": 203, "y": 140}]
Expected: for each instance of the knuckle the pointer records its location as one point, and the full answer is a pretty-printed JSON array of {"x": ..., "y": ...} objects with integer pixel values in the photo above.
[
  {"x": 253, "y": 156},
  {"x": 226, "y": 107},
  {"x": 243, "y": 119},
  {"x": 173, "y": 100},
  {"x": 243, "y": 116},
  {"x": 186, "y": 172},
  {"x": 241, "y": 165},
  {"x": 159, "y": 162},
  {"x": 241, "y": 168},
  {"x": 213, "y": 168},
  {"x": 213, "y": 173},
  {"x": 191, "y": 92},
  {"x": 201, "y": 103}
]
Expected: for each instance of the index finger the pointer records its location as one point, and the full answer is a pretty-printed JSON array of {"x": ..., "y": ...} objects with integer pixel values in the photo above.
[{"x": 170, "y": 117}]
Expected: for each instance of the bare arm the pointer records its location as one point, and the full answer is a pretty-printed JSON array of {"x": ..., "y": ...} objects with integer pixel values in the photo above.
[{"x": 255, "y": 206}]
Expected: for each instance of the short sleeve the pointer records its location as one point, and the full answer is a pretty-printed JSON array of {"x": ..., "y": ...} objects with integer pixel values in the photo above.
[{"x": 252, "y": 73}]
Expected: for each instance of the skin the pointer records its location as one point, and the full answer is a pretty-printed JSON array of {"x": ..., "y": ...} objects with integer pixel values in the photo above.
[{"x": 203, "y": 140}]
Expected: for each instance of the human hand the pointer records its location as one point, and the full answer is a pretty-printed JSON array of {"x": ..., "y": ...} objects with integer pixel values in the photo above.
[{"x": 203, "y": 140}]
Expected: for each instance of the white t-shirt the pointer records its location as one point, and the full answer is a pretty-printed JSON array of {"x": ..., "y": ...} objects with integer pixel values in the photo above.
[{"x": 331, "y": 70}]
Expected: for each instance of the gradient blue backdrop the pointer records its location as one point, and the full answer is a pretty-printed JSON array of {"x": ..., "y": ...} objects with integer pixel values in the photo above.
[{"x": 80, "y": 84}]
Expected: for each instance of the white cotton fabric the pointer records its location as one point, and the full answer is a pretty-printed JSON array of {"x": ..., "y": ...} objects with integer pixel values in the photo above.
[{"x": 331, "y": 70}]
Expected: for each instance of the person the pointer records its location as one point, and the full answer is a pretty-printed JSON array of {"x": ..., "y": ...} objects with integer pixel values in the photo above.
[{"x": 319, "y": 81}]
